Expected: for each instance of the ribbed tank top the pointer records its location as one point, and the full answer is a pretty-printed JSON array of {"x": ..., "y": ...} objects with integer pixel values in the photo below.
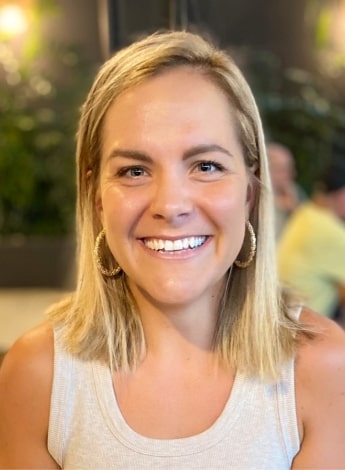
[{"x": 256, "y": 430}]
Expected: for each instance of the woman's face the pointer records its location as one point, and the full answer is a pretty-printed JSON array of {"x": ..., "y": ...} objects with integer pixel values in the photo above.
[{"x": 174, "y": 192}]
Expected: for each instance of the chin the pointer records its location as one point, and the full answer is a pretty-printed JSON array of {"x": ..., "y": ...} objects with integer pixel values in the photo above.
[
  {"x": 177, "y": 295},
  {"x": 171, "y": 298}
]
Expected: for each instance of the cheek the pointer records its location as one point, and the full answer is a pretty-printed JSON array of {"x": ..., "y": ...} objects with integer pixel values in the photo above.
[
  {"x": 113, "y": 205},
  {"x": 120, "y": 209},
  {"x": 228, "y": 214},
  {"x": 116, "y": 219},
  {"x": 228, "y": 207}
]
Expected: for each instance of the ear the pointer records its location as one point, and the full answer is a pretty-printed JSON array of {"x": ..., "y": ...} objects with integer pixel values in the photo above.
[
  {"x": 99, "y": 205},
  {"x": 252, "y": 191}
]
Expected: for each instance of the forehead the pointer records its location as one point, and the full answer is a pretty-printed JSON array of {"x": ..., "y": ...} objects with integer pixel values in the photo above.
[
  {"x": 183, "y": 89},
  {"x": 169, "y": 114},
  {"x": 180, "y": 77}
]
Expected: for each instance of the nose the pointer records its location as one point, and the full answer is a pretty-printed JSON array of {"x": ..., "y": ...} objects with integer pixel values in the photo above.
[{"x": 171, "y": 199}]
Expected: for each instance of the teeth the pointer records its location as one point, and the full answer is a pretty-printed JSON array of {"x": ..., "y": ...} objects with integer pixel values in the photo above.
[{"x": 174, "y": 245}]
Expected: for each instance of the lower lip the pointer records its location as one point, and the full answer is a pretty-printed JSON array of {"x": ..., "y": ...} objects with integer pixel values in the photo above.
[{"x": 180, "y": 254}]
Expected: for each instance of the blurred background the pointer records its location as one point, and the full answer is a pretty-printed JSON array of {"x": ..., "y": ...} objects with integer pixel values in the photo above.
[{"x": 291, "y": 52}]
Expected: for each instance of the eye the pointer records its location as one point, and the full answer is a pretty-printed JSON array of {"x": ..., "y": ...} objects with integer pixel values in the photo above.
[
  {"x": 209, "y": 166},
  {"x": 131, "y": 172},
  {"x": 135, "y": 171}
]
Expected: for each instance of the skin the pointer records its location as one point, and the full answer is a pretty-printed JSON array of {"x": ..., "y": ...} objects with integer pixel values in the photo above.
[
  {"x": 25, "y": 386},
  {"x": 144, "y": 195},
  {"x": 180, "y": 381},
  {"x": 320, "y": 396}
]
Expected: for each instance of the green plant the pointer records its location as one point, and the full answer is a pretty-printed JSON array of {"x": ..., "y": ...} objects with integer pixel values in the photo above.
[
  {"x": 42, "y": 87},
  {"x": 305, "y": 108},
  {"x": 299, "y": 109}
]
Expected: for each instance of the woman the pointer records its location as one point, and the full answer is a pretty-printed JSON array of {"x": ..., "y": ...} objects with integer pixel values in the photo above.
[{"x": 176, "y": 350}]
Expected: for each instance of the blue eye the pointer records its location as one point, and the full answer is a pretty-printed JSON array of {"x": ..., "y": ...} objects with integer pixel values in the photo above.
[
  {"x": 135, "y": 171},
  {"x": 206, "y": 166},
  {"x": 209, "y": 166},
  {"x": 131, "y": 172}
]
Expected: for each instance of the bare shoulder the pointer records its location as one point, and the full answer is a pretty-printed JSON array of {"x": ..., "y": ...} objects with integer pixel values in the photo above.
[
  {"x": 25, "y": 387},
  {"x": 325, "y": 352},
  {"x": 320, "y": 394},
  {"x": 31, "y": 354}
]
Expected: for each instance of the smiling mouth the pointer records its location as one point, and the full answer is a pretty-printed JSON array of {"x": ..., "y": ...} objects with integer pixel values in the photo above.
[{"x": 187, "y": 243}]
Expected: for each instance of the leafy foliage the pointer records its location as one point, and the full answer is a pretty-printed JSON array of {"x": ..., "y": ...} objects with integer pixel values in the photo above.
[
  {"x": 299, "y": 109},
  {"x": 42, "y": 87}
]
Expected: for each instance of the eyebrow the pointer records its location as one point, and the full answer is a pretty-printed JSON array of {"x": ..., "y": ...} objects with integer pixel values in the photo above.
[
  {"x": 204, "y": 148},
  {"x": 131, "y": 154},
  {"x": 192, "y": 152}
]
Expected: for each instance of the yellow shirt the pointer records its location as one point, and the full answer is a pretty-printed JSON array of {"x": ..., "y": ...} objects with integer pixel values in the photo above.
[{"x": 311, "y": 256}]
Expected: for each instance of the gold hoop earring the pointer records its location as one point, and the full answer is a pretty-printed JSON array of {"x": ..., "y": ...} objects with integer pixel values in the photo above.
[
  {"x": 252, "y": 251},
  {"x": 106, "y": 272}
]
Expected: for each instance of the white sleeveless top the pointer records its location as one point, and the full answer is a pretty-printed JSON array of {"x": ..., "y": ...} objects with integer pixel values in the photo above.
[{"x": 256, "y": 430}]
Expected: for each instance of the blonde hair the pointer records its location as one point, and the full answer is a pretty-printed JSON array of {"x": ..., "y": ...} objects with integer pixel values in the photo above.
[{"x": 100, "y": 319}]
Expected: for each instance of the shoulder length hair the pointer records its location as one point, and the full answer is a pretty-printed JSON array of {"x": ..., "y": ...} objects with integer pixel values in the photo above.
[{"x": 100, "y": 320}]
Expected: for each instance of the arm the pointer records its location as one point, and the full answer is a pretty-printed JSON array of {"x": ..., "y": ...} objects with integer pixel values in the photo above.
[
  {"x": 320, "y": 396},
  {"x": 25, "y": 387}
]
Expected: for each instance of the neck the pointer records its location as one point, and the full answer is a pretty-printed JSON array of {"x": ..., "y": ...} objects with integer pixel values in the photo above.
[{"x": 178, "y": 328}]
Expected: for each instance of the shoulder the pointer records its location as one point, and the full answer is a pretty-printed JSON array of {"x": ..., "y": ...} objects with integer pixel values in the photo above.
[
  {"x": 327, "y": 344},
  {"x": 323, "y": 355},
  {"x": 27, "y": 369},
  {"x": 26, "y": 376},
  {"x": 320, "y": 392},
  {"x": 31, "y": 353}
]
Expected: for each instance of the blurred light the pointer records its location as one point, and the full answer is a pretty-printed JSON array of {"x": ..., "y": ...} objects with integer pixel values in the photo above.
[
  {"x": 12, "y": 20},
  {"x": 13, "y": 78},
  {"x": 338, "y": 30}
]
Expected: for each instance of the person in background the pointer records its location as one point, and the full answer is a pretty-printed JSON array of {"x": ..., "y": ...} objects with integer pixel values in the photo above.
[
  {"x": 177, "y": 349},
  {"x": 288, "y": 195},
  {"x": 311, "y": 251}
]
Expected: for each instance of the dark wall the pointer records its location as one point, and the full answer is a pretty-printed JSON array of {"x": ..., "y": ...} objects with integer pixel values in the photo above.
[
  {"x": 101, "y": 26},
  {"x": 127, "y": 18},
  {"x": 276, "y": 25},
  {"x": 77, "y": 22}
]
